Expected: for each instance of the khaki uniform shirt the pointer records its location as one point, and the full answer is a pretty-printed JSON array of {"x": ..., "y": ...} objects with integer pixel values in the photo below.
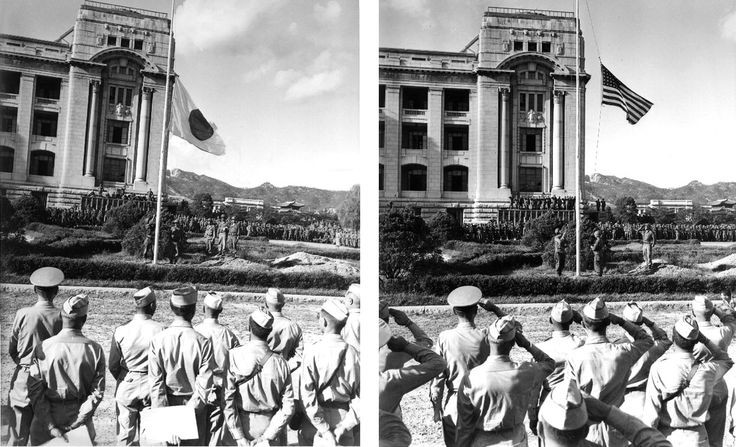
[
  {"x": 495, "y": 396},
  {"x": 721, "y": 336},
  {"x": 223, "y": 340},
  {"x": 640, "y": 371},
  {"x": 559, "y": 346},
  {"x": 320, "y": 361},
  {"x": 635, "y": 431},
  {"x": 286, "y": 339},
  {"x": 180, "y": 363},
  {"x": 258, "y": 381},
  {"x": 130, "y": 345},
  {"x": 394, "y": 383},
  {"x": 31, "y": 326},
  {"x": 690, "y": 408},
  {"x": 68, "y": 367},
  {"x": 351, "y": 331}
]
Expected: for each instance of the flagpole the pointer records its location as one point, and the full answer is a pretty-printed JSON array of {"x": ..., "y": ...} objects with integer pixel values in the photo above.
[
  {"x": 577, "y": 139},
  {"x": 164, "y": 137}
]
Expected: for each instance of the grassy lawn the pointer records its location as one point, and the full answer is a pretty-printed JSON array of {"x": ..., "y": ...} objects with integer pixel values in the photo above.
[
  {"x": 416, "y": 408},
  {"x": 109, "y": 309}
]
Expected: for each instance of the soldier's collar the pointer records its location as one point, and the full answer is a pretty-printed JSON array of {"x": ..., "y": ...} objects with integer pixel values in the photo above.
[
  {"x": 180, "y": 322},
  {"x": 210, "y": 321},
  {"x": 44, "y": 303},
  {"x": 560, "y": 334},
  {"x": 596, "y": 338},
  {"x": 463, "y": 324},
  {"x": 332, "y": 337},
  {"x": 141, "y": 317}
]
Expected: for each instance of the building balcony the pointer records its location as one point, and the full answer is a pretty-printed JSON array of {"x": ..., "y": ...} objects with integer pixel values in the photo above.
[
  {"x": 452, "y": 116},
  {"x": 43, "y": 139},
  {"x": 530, "y": 158},
  {"x": 9, "y": 98},
  {"x": 414, "y": 115}
]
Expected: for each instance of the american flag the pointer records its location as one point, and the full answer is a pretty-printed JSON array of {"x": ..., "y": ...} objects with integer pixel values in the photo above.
[{"x": 615, "y": 93}]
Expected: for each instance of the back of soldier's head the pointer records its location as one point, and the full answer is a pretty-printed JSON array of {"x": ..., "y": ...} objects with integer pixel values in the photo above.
[
  {"x": 260, "y": 324},
  {"x": 186, "y": 311},
  {"x": 331, "y": 322},
  {"x": 47, "y": 293},
  {"x": 467, "y": 312}
]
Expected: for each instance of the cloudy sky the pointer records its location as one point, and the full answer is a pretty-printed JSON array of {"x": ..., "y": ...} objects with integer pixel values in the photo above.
[
  {"x": 279, "y": 79},
  {"x": 679, "y": 54}
]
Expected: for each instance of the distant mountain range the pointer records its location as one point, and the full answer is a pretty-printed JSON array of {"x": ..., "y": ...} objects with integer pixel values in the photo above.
[
  {"x": 611, "y": 187},
  {"x": 188, "y": 184}
]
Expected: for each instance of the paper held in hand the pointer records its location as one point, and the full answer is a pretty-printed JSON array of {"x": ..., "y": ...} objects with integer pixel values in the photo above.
[
  {"x": 160, "y": 424},
  {"x": 78, "y": 436}
]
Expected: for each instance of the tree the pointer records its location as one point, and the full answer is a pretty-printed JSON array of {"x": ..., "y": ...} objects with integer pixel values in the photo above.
[
  {"x": 29, "y": 209},
  {"x": 202, "y": 205},
  {"x": 134, "y": 238},
  {"x": 587, "y": 227},
  {"x": 349, "y": 211},
  {"x": 538, "y": 232},
  {"x": 404, "y": 241},
  {"x": 182, "y": 208},
  {"x": 9, "y": 222},
  {"x": 626, "y": 211},
  {"x": 443, "y": 227},
  {"x": 121, "y": 218}
]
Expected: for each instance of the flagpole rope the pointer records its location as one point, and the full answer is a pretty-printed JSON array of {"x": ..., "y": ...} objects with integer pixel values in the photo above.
[
  {"x": 592, "y": 30},
  {"x": 600, "y": 108}
]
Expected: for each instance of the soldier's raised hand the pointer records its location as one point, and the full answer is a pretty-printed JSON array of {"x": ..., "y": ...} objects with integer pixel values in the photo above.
[{"x": 399, "y": 317}]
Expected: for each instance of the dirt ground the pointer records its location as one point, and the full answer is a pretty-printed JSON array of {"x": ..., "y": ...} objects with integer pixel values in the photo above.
[
  {"x": 109, "y": 309},
  {"x": 416, "y": 407}
]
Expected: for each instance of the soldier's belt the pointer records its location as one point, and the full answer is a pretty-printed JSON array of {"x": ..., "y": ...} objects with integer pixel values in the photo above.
[
  {"x": 499, "y": 430},
  {"x": 690, "y": 428},
  {"x": 335, "y": 405}
]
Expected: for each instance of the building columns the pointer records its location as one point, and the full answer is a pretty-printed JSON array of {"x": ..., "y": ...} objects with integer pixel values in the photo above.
[
  {"x": 558, "y": 161},
  {"x": 89, "y": 163},
  {"x": 142, "y": 144},
  {"x": 504, "y": 132}
]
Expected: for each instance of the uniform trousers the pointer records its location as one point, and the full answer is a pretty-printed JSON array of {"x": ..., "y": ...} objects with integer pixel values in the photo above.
[
  {"x": 334, "y": 413},
  {"x": 715, "y": 426},
  {"x": 559, "y": 262},
  {"x": 598, "y": 262},
  {"x": 216, "y": 431},
  {"x": 690, "y": 437},
  {"x": 449, "y": 420},
  {"x": 511, "y": 437},
  {"x": 21, "y": 405},
  {"x": 131, "y": 397},
  {"x": 647, "y": 249},
  {"x": 63, "y": 413}
]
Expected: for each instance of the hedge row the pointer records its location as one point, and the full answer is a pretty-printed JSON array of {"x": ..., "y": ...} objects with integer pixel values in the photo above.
[
  {"x": 70, "y": 247},
  {"x": 437, "y": 287},
  {"x": 126, "y": 271},
  {"x": 489, "y": 264}
]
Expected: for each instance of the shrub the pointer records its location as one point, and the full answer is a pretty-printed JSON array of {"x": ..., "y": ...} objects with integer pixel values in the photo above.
[
  {"x": 587, "y": 227},
  {"x": 29, "y": 209},
  {"x": 133, "y": 242},
  {"x": 538, "y": 232},
  {"x": 121, "y": 218},
  {"x": 404, "y": 241},
  {"x": 443, "y": 227}
]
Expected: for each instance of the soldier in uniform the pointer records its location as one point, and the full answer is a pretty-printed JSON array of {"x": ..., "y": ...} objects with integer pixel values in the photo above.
[
  {"x": 149, "y": 240},
  {"x": 598, "y": 245},
  {"x": 258, "y": 396},
  {"x": 234, "y": 234},
  {"x": 463, "y": 348},
  {"x": 31, "y": 326},
  {"x": 703, "y": 310},
  {"x": 177, "y": 237},
  {"x": 398, "y": 359},
  {"x": 494, "y": 397},
  {"x": 330, "y": 382},
  {"x": 222, "y": 230},
  {"x": 222, "y": 340},
  {"x": 648, "y": 241},
  {"x": 351, "y": 331},
  {"x": 67, "y": 377},
  {"x": 680, "y": 387},
  {"x": 560, "y": 247},
  {"x": 180, "y": 363},
  {"x": 602, "y": 368},
  {"x": 129, "y": 366},
  {"x": 210, "y": 235}
]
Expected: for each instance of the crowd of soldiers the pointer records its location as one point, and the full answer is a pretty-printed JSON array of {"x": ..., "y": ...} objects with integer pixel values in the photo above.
[
  {"x": 542, "y": 202},
  {"x": 705, "y": 233},
  {"x": 645, "y": 389},
  {"x": 120, "y": 193},
  {"x": 245, "y": 393},
  {"x": 493, "y": 231}
]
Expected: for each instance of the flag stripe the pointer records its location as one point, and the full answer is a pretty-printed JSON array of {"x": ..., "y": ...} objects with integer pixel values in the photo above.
[{"x": 616, "y": 94}]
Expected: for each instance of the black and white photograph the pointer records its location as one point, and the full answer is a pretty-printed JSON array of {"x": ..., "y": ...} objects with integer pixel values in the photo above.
[{"x": 180, "y": 222}]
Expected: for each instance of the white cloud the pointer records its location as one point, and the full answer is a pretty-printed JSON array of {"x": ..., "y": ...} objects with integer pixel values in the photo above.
[
  {"x": 728, "y": 26},
  {"x": 416, "y": 8},
  {"x": 259, "y": 72},
  {"x": 329, "y": 12},
  {"x": 293, "y": 27},
  {"x": 315, "y": 84},
  {"x": 284, "y": 77}
]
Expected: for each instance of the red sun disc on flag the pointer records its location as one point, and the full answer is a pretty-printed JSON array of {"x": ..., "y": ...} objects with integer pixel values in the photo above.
[{"x": 200, "y": 127}]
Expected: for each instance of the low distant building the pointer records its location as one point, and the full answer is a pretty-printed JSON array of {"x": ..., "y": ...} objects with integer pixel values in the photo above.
[
  {"x": 672, "y": 205},
  {"x": 247, "y": 204},
  {"x": 722, "y": 205},
  {"x": 290, "y": 206}
]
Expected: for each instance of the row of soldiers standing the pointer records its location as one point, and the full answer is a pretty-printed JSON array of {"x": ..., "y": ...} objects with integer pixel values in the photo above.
[
  {"x": 245, "y": 394},
  {"x": 641, "y": 390},
  {"x": 223, "y": 234},
  {"x": 677, "y": 232}
]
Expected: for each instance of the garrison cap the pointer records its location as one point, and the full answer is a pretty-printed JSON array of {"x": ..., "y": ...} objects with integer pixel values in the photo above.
[
  {"x": 184, "y": 296},
  {"x": 464, "y": 296},
  {"x": 632, "y": 312},
  {"x": 213, "y": 300},
  {"x": 596, "y": 310},
  {"x": 561, "y": 312},
  {"x": 47, "y": 277},
  {"x": 503, "y": 329},
  {"x": 564, "y": 407},
  {"x": 75, "y": 306},
  {"x": 274, "y": 296},
  {"x": 262, "y": 318},
  {"x": 384, "y": 333},
  {"x": 336, "y": 308},
  {"x": 702, "y": 303},
  {"x": 687, "y": 327},
  {"x": 144, "y": 297}
]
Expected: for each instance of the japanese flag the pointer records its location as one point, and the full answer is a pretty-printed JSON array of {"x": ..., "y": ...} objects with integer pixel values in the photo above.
[{"x": 187, "y": 122}]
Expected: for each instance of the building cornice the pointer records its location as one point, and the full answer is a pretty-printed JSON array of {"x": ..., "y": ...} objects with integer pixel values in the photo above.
[
  {"x": 9, "y": 55},
  {"x": 426, "y": 70},
  {"x": 38, "y": 41},
  {"x": 427, "y": 52}
]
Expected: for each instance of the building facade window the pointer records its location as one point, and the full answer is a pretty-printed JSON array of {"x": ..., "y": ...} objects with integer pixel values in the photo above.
[
  {"x": 9, "y": 82},
  {"x": 117, "y": 131},
  {"x": 518, "y": 45},
  {"x": 414, "y": 177},
  {"x": 531, "y": 46},
  {"x": 456, "y": 137},
  {"x": 44, "y": 123},
  {"x": 120, "y": 95},
  {"x": 48, "y": 88},
  {"x": 125, "y": 42},
  {"x": 138, "y": 44},
  {"x": 380, "y": 177},
  {"x": 455, "y": 178},
  {"x": 531, "y": 102},
  {"x": 530, "y": 179},
  {"x": 112, "y": 40},
  {"x": 7, "y": 158},
  {"x": 381, "y": 134},
  {"x": 546, "y": 47},
  {"x": 457, "y": 100},
  {"x": 113, "y": 169},
  {"x": 414, "y": 98},
  {"x": 381, "y": 96},
  {"x": 8, "y": 119},
  {"x": 42, "y": 163},
  {"x": 530, "y": 139},
  {"x": 414, "y": 135}
]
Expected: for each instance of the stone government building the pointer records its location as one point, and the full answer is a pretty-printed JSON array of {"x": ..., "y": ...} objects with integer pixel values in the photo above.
[
  {"x": 463, "y": 131},
  {"x": 85, "y": 110}
]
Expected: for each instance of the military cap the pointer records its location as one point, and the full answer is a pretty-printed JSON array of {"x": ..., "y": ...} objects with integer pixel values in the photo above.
[
  {"x": 564, "y": 407},
  {"x": 262, "y": 318},
  {"x": 464, "y": 296},
  {"x": 213, "y": 300},
  {"x": 336, "y": 308},
  {"x": 632, "y": 312},
  {"x": 384, "y": 333},
  {"x": 354, "y": 289},
  {"x": 596, "y": 309},
  {"x": 561, "y": 312},
  {"x": 47, "y": 277},
  {"x": 688, "y": 328},
  {"x": 274, "y": 296},
  {"x": 184, "y": 296},
  {"x": 144, "y": 297},
  {"x": 503, "y": 329},
  {"x": 75, "y": 306},
  {"x": 702, "y": 303}
]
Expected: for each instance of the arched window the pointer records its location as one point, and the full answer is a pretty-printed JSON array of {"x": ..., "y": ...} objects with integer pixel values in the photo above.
[
  {"x": 7, "y": 157},
  {"x": 455, "y": 178},
  {"x": 42, "y": 163},
  {"x": 414, "y": 177},
  {"x": 380, "y": 177}
]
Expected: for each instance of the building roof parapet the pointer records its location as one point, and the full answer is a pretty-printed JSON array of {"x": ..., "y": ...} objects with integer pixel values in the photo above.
[
  {"x": 9, "y": 54},
  {"x": 427, "y": 52},
  {"x": 36, "y": 41},
  {"x": 528, "y": 13},
  {"x": 124, "y": 10}
]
